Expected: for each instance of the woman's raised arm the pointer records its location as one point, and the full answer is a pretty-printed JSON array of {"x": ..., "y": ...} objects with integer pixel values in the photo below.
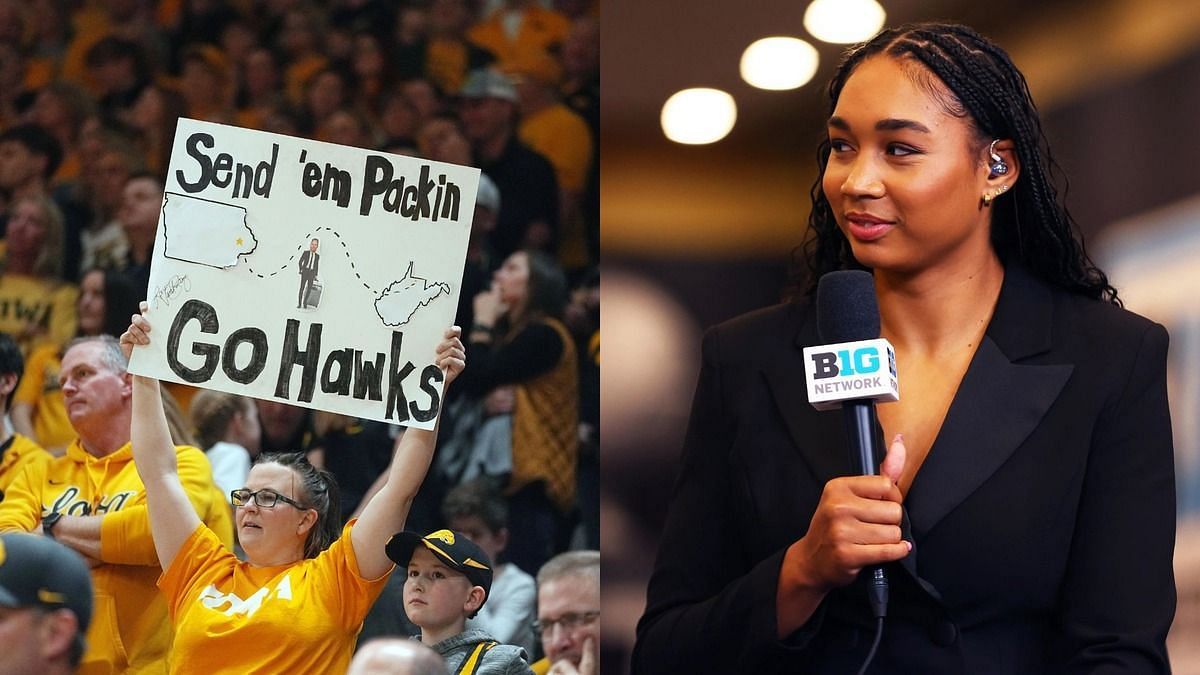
[
  {"x": 172, "y": 517},
  {"x": 386, "y": 512}
]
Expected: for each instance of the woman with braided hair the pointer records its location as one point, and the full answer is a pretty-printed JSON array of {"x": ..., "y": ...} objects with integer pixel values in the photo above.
[{"x": 1024, "y": 513}]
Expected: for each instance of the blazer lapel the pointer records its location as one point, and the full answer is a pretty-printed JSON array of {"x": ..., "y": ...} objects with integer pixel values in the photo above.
[
  {"x": 998, "y": 404},
  {"x": 818, "y": 436}
]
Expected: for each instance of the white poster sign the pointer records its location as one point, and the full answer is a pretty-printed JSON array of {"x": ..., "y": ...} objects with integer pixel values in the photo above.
[{"x": 305, "y": 272}]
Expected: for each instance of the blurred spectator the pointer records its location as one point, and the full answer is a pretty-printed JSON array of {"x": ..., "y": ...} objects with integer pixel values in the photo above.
[
  {"x": 60, "y": 108},
  {"x": 371, "y": 69},
  {"x": 581, "y": 68},
  {"x": 517, "y": 340},
  {"x": 448, "y": 55},
  {"x": 285, "y": 427},
  {"x": 582, "y": 316},
  {"x": 569, "y": 613},
  {"x": 325, "y": 94},
  {"x": 142, "y": 197},
  {"x": 12, "y": 22},
  {"x": 201, "y": 22},
  {"x": 154, "y": 115},
  {"x": 397, "y": 120},
  {"x": 476, "y": 510},
  {"x": 441, "y": 138},
  {"x": 581, "y": 91},
  {"x": 110, "y": 159},
  {"x": 408, "y": 41},
  {"x": 29, "y": 156},
  {"x": 357, "y": 453},
  {"x": 206, "y": 83},
  {"x": 424, "y": 98},
  {"x": 337, "y": 44},
  {"x": 258, "y": 87},
  {"x": 228, "y": 431},
  {"x": 345, "y": 126},
  {"x": 119, "y": 69},
  {"x": 362, "y": 16},
  {"x": 12, "y": 86},
  {"x": 548, "y": 126},
  {"x": 282, "y": 118},
  {"x": 36, "y": 306},
  {"x": 528, "y": 190},
  {"x": 17, "y": 450},
  {"x": 106, "y": 300},
  {"x": 299, "y": 44},
  {"x": 519, "y": 28},
  {"x": 480, "y": 264},
  {"x": 47, "y": 32},
  {"x": 238, "y": 39},
  {"x": 561, "y": 136},
  {"x": 45, "y": 605},
  {"x": 394, "y": 656}
]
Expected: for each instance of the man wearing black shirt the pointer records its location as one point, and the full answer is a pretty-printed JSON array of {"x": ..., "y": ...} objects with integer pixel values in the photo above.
[{"x": 529, "y": 191}]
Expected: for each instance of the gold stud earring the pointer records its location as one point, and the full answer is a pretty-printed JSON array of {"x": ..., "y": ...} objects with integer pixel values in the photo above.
[{"x": 987, "y": 199}]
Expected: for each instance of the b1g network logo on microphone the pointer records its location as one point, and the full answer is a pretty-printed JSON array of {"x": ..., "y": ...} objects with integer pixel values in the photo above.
[{"x": 848, "y": 371}]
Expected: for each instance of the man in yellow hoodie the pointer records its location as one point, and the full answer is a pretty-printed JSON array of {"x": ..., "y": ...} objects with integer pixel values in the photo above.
[{"x": 93, "y": 500}]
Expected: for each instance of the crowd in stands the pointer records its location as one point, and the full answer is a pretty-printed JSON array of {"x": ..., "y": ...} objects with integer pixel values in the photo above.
[{"x": 90, "y": 93}]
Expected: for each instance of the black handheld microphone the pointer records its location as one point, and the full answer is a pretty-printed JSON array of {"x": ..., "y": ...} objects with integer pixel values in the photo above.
[{"x": 853, "y": 369}]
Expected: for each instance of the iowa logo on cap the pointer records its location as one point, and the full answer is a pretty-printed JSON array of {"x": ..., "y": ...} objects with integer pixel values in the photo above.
[{"x": 444, "y": 536}]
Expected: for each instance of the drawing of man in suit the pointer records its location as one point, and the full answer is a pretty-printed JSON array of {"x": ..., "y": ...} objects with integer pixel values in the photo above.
[{"x": 309, "y": 261}]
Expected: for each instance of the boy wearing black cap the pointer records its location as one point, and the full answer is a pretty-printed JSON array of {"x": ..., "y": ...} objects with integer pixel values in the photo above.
[
  {"x": 448, "y": 579},
  {"x": 45, "y": 605}
]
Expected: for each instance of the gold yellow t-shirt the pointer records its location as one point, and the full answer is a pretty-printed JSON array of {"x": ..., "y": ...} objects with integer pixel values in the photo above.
[
  {"x": 40, "y": 389},
  {"x": 233, "y": 617},
  {"x": 37, "y": 311},
  {"x": 20, "y": 453},
  {"x": 562, "y": 137}
]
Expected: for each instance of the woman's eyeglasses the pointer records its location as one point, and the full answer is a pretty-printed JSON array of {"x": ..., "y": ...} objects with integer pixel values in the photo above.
[
  {"x": 569, "y": 622},
  {"x": 265, "y": 499}
]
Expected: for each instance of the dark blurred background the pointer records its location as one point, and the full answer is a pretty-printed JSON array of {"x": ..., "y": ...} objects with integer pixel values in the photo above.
[{"x": 693, "y": 235}]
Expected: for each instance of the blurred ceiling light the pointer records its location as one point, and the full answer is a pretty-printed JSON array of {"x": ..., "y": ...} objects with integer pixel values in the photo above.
[
  {"x": 779, "y": 63},
  {"x": 844, "y": 21},
  {"x": 698, "y": 116}
]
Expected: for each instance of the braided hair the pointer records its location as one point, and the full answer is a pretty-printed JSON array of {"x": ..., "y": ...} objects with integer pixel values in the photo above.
[
  {"x": 319, "y": 491},
  {"x": 981, "y": 85}
]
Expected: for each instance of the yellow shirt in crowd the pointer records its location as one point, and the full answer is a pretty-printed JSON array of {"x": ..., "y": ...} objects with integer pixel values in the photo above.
[
  {"x": 20, "y": 452},
  {"x": 129, "y": 632},
  {"x": 233, "y": 617},
  {"x": 40, "y": 389},
  {"x": 37, "y": 311},
  {"x": 541, "y": 30},
  {"x": 562, "y": 137}
]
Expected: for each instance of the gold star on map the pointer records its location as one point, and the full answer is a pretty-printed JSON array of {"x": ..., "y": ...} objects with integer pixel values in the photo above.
[{"x": 239, "y": 241}]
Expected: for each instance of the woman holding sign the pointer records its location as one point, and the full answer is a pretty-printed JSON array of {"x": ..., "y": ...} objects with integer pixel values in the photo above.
[
  {"x": 1026, "y": 517},
  {"x": 298, "y": 601}
]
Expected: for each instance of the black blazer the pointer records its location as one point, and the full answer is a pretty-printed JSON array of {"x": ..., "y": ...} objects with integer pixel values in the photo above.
[
  {"x": 305, "y": 271},
  {"x": 1043, "y": 518}
]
